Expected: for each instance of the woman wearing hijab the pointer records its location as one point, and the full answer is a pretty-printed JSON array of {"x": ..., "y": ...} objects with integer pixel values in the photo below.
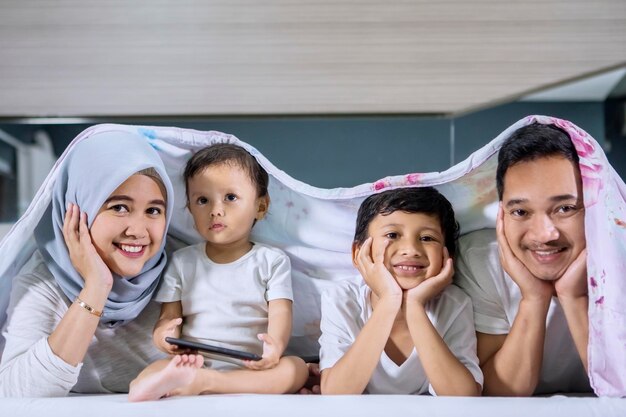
[{"x": 80, "y": 316}]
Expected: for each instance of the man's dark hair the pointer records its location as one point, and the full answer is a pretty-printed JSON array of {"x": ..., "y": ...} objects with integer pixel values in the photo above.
[
  {"x": 226, "y": 153},
  {"x": 426, "y": 200},
  {"x": 532, "y": 142}
]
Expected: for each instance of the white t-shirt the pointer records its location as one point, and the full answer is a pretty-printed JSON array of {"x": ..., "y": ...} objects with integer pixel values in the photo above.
[
  {"x": 346, "y": 308},
  {"x": 496, "y": 299},
  {"x": 30, "y": 368},
  {"x": 226, "y": 304}
]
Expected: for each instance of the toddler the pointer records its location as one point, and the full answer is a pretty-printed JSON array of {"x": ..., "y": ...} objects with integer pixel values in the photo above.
[{"x": 226, "y": 291}]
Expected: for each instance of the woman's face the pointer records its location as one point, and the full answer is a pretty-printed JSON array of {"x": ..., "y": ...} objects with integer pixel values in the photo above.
[{"x": 129, "y": 228}]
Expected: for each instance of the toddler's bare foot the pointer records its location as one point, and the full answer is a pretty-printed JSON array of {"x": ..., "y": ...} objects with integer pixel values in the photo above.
[{"x": 179, "y": 372}]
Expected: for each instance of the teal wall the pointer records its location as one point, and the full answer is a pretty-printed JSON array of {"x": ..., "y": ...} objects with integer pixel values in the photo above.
[{"x": 346, "y": 151}]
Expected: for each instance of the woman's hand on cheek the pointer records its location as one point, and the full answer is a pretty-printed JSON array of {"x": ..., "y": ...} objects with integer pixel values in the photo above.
[{"x": 82, "y": 252}]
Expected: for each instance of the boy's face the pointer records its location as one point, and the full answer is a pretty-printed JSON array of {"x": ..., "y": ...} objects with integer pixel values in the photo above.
[
  {"x": 224, "y": 204},
  {"x": 415, "y": 250}
]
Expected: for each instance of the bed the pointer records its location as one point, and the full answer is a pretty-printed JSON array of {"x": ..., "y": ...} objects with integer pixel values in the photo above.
[
  {"x": 320, "y": 257},
  {"x": 315, "y": 406}
]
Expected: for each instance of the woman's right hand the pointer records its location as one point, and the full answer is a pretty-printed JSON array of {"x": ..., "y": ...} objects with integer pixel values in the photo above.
[{"x": 83, "y": 254}]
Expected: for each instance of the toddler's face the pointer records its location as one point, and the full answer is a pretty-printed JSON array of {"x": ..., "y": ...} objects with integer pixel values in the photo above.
[
  {"x": 415, "y": 250},
  {"x": 224, "y": 204}
]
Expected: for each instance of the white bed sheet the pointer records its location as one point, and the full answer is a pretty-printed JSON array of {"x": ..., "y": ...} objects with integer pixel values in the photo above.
[{"x": 314, "y": 406}]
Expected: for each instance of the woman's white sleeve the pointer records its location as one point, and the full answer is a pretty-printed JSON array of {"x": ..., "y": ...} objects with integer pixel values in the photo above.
[{"x": 29, "y": 367}]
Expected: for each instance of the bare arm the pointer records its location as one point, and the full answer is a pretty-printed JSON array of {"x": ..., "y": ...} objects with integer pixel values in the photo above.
[
  {"x": 47, "y": 341},
  {"x": 447, "y": 375},
  {"x": 29, "y": 367},
  {"x": 514, "y": 368},
  {"x": 169, "y": 325},
  {"x": 576, "y": 312},
  {"x": 572, "y": 291},
  {"x": 277, "y": 336},
  {"x": 511, "y": 363},
  {"x": 279, "y": 323},
  {"x": 352, "y": 373},
  {"x": 72, "y": 336}
]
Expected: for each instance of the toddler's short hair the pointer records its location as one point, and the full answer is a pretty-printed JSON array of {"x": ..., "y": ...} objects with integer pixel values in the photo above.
[
  {"x": 226, "y": 153},
  {"x": 424, "y": 200}
]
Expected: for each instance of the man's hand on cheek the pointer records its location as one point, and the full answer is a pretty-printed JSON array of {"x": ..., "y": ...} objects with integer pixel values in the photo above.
[
  {"x": 573, "y": 283},
  {"x": 530, "y": 286}
]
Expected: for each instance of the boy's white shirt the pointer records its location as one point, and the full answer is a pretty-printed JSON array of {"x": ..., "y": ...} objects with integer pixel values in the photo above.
[
  {"x": 346, "y": 307},
  {"x": 496, "y": 298},
  {"x": 226, "y": 304}
]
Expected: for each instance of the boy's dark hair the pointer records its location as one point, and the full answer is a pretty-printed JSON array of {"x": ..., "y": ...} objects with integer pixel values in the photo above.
[
  {"x": 426, "y": 200},
  {"x": 532, "y": 142},
  {"x": 230, "y": 154}
]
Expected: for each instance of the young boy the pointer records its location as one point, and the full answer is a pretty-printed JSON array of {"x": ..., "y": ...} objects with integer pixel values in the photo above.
[
  {"x": 226, "y": 291},
  {"x": 405, "y": 330}
]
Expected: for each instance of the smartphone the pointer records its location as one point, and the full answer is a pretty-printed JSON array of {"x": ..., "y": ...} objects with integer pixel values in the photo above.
[{"x": 215, "y": 350}]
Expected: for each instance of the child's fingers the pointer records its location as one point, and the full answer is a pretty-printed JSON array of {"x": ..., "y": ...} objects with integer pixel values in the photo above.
[
  {"x": 314, "y": 369},
  {"x": 266, "y": 338},
  {"x": 379, "y": 255},
  {"x": 448, "y": 264},
  {"x": 448, "y": 269},
  {"x": 364, "y": 257},
  {"x": 174, "y": 323},
  {"x": 255, "y": 365}
]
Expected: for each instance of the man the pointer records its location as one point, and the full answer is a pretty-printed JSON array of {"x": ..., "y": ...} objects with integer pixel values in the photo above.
[{"x": 528, "y": 279}]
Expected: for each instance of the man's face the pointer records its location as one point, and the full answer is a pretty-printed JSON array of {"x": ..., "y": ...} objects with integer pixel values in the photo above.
[{"x": 544, "y": 215}]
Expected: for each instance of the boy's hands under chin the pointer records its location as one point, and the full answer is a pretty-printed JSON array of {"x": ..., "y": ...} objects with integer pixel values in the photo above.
[
  {"x": 432, "y": 286},
  {"x": 271, "y": 354},
  {"x": 83, "y": 254},
  {"x": 375, "y": 273}
]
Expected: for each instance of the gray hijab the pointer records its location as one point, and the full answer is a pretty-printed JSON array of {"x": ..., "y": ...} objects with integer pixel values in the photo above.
[{"x": 89, "y": 174}]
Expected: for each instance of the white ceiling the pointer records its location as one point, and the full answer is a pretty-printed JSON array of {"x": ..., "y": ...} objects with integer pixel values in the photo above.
[
  {"x": 594, "y": 88},
  {"x": 244, "y": 57}
]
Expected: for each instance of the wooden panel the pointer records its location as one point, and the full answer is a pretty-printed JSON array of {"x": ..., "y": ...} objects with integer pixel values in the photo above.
[{"x": 196, "y": 57}]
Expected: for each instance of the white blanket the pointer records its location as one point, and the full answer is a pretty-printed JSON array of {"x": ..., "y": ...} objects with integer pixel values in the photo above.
[{"x": 315, "y": 226}]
